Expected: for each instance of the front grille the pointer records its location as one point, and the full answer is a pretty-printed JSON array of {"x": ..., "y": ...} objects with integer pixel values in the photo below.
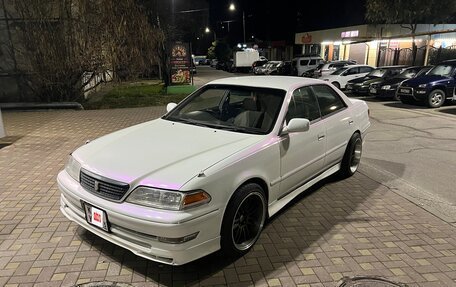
[{"x": 103, "y": 187}]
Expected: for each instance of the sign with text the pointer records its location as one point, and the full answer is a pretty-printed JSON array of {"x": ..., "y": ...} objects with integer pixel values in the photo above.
[{"x": 180, "y": 63}]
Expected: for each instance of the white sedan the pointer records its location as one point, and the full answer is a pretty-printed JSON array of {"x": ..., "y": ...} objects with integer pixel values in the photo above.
[
  {"x": 208, "y": 174},
  {"x": 340, "y": 77}
]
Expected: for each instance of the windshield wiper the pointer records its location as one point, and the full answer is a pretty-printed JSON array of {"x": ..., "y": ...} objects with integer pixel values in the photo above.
[
  {"x": 181, "y": 120},
  {"x": 238, "y": 129}
]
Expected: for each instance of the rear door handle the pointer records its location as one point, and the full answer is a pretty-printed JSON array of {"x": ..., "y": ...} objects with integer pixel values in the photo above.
[
  {"x": 350, "y": 122},
  {"x": 320, "y": 137}
]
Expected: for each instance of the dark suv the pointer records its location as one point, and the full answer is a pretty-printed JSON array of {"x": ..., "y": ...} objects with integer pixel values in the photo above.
[{"x": 432, "y": 88}]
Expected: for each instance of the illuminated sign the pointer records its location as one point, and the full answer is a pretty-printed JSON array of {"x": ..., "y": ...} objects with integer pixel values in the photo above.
[{"x": 348, "y": 34}]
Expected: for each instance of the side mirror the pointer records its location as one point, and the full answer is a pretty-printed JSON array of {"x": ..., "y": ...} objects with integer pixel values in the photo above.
[
  {"x": 170, "y": 106},
  {"x": 296, "y": 125}
]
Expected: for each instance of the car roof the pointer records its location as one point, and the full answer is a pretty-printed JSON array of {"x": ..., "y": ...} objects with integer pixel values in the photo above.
[
  {"x": 357, "y": 65},
  {"x": 274, "y": 82},
  {"x": 393, "y": 67},
  {"x": 451, "y": 62}
]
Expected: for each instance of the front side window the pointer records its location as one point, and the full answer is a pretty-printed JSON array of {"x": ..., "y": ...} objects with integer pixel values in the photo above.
[
  {"x": 303, "y": 104},
  {"x": 328, "y": 100},
  {"x": 365, "y": 69},
  {"x": 303, "y": 62},
  {"x": 313, "y": 62},
  {"x": 352, "y": 71},
  {"x": 235, "y": 108}
]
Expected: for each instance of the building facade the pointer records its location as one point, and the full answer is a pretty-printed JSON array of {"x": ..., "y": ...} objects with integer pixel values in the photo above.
[{"x": 382, "y": 44}]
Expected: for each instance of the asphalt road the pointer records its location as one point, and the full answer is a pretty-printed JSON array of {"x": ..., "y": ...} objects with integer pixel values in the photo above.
[{"x": 410, "y": 149}]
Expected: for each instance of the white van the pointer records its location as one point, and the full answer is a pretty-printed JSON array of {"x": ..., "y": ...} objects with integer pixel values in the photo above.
[{"x": 303, "y": 63}]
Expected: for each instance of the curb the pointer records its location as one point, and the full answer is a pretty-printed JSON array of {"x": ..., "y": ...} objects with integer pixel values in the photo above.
[{"x": 35, "y": 106}]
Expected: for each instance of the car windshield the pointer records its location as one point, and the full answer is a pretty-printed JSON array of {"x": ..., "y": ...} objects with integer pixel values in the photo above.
[
  {"x": 407, "y": 74},
  {"x": 378, "y": 73},
  {"x": 442, "y": 70},
  {"x": 235, "y": 108},
  {"x": 339, "y": 71}
]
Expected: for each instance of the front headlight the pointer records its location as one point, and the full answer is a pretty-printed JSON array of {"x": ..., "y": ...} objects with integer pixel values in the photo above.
[
  {"x": 386, "y": 87},
  {"x": 167, "y": 199},
  {"x": 422, "y": 86},
  {"x": 73, "y": 168}
]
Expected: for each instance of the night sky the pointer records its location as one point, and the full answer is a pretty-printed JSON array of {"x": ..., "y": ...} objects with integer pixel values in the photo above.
[{"x": 279, "y": 20}]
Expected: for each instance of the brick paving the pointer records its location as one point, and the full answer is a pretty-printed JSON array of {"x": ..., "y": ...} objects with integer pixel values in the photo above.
[{"x": 339, "y": 228}]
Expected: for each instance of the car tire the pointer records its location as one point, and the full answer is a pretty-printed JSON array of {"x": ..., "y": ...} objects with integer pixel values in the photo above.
[
  {"x": 436, "y": 98},
  {"x": 352, "y": 157},
  {"x": 243, "y": 220},
  {"x": 336, "y": 84}
]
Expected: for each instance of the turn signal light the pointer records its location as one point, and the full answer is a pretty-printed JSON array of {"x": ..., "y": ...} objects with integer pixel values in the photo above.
[{"x": 196, "y": 198}]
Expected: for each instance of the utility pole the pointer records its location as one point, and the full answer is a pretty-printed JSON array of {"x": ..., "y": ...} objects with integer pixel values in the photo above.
[{"x": 243, "y": 23}]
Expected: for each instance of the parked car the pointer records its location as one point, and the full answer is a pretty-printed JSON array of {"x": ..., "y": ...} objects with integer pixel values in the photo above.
[
  {"x": 192, "y": 68},
  {"x": 311, "y": 72},
  {"x": 214, "y": 63},
  {"x": 284, "y": 68},
  {"x": 388, "y": 88},
  {"x": 229, "y": 156},
  {"x": 258, "y": 63},
  {"x": 361, "y": 85},
  {"x": 229, "y": 66},
  {"x": 342, "y": 76},
  {"x": 330, "y": 67},
  {"x": 432, "y": 88},
  {"x": 270, "y": 68},
  {"x": 303, "y": 63}
]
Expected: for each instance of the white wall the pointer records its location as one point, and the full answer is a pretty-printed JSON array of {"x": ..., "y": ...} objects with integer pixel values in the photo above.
[{"x": 2, "y": 129}]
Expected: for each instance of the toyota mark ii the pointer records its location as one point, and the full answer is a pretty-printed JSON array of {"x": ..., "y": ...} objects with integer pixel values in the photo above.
[{"x": 208, "y": 174}]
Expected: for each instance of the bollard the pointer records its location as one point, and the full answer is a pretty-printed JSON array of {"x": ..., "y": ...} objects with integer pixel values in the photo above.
[{"x": 2, "y": 129}]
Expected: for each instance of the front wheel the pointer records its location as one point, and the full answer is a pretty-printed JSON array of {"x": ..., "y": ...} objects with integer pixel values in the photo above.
[
  {"x": 352, "y": 156},
  {"x": 436, "y": 98},
  {"x": 243, "y": 220}
]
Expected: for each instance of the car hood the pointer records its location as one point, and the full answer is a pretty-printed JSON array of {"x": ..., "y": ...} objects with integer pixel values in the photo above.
[
  {"x": 360, "y": 80},
  {"x": 393, "y": 81},
  {"x": 160, "y": 153},
  {"x": 425, "y": 79}
]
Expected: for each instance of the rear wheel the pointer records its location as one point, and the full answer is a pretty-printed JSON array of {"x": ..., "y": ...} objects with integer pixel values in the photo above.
[
  {"x": 352, "y": 156},
  {"x": 243, "y": 220},
  {"x": 436, "y": 98}
]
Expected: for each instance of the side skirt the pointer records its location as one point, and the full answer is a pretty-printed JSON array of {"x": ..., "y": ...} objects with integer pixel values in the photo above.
[{"x": 279, "y": 204}]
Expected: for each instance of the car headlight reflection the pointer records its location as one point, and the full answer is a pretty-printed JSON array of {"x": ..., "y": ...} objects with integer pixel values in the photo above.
[
  {"x": 422, "y": 86},
  {"x": 73, "y": 168},
  {"x": 167, "y": 199},
  {"x": 386, "y": 87}
]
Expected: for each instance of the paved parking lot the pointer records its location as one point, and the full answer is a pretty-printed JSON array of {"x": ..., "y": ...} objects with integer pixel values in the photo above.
[{"x": 343, "y": 228}]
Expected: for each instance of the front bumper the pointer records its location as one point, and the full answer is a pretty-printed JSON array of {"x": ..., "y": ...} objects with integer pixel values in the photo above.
[
  {"x": 138, "y": 228},
  {"x": 417, "y": 94},
  {"x": 381, "y": 93}
]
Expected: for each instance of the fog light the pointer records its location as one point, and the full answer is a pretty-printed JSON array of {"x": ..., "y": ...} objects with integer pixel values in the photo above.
[{"x": 178, "y": 240}]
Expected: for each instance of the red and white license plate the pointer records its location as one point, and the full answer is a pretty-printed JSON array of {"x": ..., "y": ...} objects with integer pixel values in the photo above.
[{"x": 96, "y": 216}]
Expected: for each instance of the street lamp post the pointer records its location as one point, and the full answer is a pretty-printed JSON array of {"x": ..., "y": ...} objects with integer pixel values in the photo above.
[{"x": 233, "y": 8}]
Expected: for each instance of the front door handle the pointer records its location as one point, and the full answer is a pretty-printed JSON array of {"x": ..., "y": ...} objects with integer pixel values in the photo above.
[
  {"x": 320, "y": 137},
  {"x": 350, "y": 122}
]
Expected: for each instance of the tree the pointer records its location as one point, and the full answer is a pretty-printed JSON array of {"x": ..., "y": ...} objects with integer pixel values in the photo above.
[
  {"x": 409, "y": 13},
  {"x": 70, "y": 46},
  {"x": 219, "y": 50}
]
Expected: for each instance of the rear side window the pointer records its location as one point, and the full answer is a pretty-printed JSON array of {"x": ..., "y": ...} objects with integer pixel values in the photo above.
[
  {"x": 328, "y": 99},
  {"x": 303, "y": 62},
  {"x": 313, "y": 62}
]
